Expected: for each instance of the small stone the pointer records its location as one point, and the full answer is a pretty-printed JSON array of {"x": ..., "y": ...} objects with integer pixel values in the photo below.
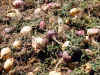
[
  {"x": 37, "y": 12},
  {"x": 26, "y": 30},
  {"x": 9, "y": 29},
  {"x": 38, "y": 43},
  {"x": 50, "y": 34},
  {"x": 17, "y": 44},
  {"x": 67, "y": 21},
  {"x": 93, "y": 31},
  {"x": 66, "y": 44},
  {"x": 5, "y": 52},
  {"x": 66, "y": 56},
  {"x": 89, "y": 52},
  {"x": 30, "y": 73},
  {"x": 80, "y": 32},
  {"x": 14, "y": 15},
  {"x": 42, "y": 25},
  {"x": 75, "y": 11},
  {"x": 8, "y": 64},
  {"x": 18, "y": 3},
  {"x": 87, "y": 67},
  {"x": 55, "y": 73}
]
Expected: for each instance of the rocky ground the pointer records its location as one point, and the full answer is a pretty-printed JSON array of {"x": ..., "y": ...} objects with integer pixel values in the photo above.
[{"x": 50, "y": 37}]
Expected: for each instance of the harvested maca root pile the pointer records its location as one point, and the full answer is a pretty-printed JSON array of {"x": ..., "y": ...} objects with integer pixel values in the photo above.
[{"x": 49, "y": 37}]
